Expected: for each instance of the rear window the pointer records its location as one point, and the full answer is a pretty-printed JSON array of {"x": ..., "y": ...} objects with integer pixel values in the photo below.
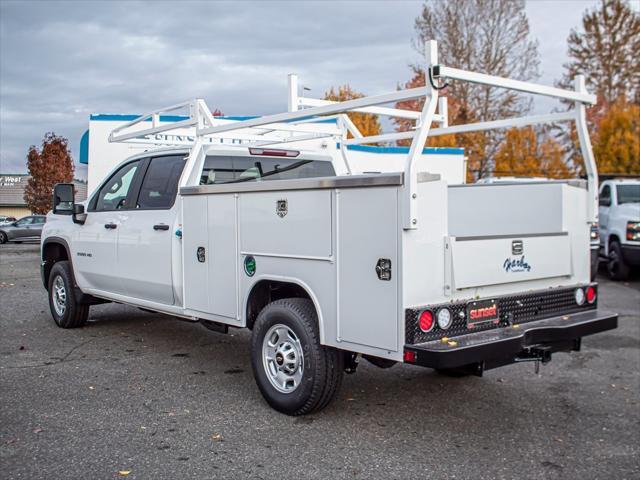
[{"x": 221, "y": 169}]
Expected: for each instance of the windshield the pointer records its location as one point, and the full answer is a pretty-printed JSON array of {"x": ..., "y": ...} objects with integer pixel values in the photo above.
[
  {"x": 628, "y": 194},
  {"x": 230, "y": 169}
]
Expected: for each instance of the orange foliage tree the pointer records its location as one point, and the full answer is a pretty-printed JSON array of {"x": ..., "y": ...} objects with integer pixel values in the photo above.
[
  {"x": 616, "y": 144},
  {"x": 526, "y": 153},
  {"x": 475, "y": 143},
  {"x": 50, "y": 165},
  {"x": 367, "y": 123}
]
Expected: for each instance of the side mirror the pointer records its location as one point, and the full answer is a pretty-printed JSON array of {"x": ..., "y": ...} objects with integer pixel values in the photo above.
[{"x": 64, "y": 202}]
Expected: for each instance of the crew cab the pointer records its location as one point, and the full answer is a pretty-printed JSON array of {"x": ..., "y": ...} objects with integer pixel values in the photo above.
[
  {"x": 273, "y": 224},
  {"x": 620, "y": 226}
]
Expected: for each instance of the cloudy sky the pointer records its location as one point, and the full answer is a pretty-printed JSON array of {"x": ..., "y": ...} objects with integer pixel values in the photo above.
[{"x": 61, "y": 61}]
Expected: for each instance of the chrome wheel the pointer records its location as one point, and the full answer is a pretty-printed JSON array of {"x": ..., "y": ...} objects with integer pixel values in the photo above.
[
  {"x": 59, "y": 296},
  {"x": 282, "y": 358}
]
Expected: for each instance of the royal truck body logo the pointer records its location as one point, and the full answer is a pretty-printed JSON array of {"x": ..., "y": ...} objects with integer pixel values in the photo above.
[
  {"x": 516, "y": 265},
  {"x": 282, "y": 208}
]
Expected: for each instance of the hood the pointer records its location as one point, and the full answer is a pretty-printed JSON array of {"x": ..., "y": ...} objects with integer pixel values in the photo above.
[{"x": 630, "y": 211}]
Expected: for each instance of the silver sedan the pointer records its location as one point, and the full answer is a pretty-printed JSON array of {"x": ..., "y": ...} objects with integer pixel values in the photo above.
[{"x": 27, "y": 228}]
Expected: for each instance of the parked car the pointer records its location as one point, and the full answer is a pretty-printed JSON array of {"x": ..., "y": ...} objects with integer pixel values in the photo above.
[
  {"x": 4, "y": 220},
  {"x": 620, "y": 226},
  {"x": 27, "y": 228}
]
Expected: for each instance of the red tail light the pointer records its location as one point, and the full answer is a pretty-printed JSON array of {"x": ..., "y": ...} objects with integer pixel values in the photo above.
[
  {"x": 426, "y": 321},
  {"x": 591, "y": 294},
  {"x": 272, "y": 152},
  {"x": 410, "y": 356}
]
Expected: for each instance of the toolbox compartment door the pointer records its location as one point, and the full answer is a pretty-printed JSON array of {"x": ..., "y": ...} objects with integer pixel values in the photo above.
[{"x": 494, "y": 260}]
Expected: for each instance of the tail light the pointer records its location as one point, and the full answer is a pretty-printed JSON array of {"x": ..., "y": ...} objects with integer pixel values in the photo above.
[
  {"x": 426, "y": 321},
  {"x": 591, "y": 294},
  {"x": 579, "y": 296}
]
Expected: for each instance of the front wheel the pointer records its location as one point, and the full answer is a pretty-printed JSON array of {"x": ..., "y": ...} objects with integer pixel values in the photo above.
[
  {"x": 3, "y": 237},
  {"x": 617, "y": 267},
  {"x": 65, "y": 310},
  {"x": 295, "y": 374}
]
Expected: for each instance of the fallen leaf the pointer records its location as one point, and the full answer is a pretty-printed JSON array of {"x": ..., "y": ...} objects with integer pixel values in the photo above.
[
  {"x": 216, "y": 438},
  {"x": 92, "y": 388},
  {"x": 37, "y": 430},
  {"x": 124, "y": 473}
]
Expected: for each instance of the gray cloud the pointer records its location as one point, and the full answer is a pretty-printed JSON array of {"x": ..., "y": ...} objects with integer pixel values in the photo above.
[{"x": 61, "y": 61}]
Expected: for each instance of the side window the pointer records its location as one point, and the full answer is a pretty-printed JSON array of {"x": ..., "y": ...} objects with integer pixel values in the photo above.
[
  {"x": 39, "y": 220},
  {"x": 160, "y": 184},
  {"x": 24, "y": 221},
  {"x": 605, "y": 196},
  {"x": 113, "y": 194}
]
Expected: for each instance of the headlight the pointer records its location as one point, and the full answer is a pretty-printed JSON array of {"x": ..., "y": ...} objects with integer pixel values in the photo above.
[
  {"x": 444, "y": 318},
  {"x": 633, "y": 231}
]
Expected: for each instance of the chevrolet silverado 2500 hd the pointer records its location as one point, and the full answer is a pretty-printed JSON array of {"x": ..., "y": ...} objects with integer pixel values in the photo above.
[{"x": 270, "y": 224}]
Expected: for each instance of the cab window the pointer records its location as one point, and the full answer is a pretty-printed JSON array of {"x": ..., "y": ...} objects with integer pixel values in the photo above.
[
  {"x": 113, "y": 194},
  {"x": 160, "y": 184}
]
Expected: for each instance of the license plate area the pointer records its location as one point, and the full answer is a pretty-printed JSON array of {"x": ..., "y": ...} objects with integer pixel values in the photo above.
[{"x": 482, "y": 312}]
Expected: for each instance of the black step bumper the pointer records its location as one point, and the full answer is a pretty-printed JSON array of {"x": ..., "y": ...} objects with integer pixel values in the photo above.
[{"x": 509, "y": 344}]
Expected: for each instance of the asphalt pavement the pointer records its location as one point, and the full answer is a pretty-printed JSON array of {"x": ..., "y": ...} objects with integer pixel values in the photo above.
[{"x": 140, "y": 395}]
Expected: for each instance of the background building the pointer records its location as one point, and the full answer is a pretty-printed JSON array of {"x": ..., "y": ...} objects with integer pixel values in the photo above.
[{"x": 12, "y": 194}]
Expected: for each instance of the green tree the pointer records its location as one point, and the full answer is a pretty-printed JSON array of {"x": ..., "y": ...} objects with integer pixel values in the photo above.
[{"x": 50, "y": 165}]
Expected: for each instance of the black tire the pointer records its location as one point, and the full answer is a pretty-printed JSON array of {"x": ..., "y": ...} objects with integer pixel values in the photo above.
[
  {"x": 3, "y": 238},
  {"x": 323, "y": 366},
  {"x": 616, "y": 266},
  {"x": 73, "y": 314}
]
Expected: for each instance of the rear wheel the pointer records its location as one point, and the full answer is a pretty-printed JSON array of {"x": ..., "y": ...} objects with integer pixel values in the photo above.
[
  {"x": 295, "y": 374},
  {"x": 3, "y": 237},
  {"x": 616, "y": 266},
  {"x": 65, "y": 310}
]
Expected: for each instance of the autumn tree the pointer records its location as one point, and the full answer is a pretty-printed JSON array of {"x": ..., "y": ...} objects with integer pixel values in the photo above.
[
  {"x": 47, "y": 166},
  {"x": 490, "y": 36},
  {"x": 606, "y": 52},
  {"x": 525, "y": 152},
  {"x": 367, "y": 123},
  {"x": 617, "y": 143}
]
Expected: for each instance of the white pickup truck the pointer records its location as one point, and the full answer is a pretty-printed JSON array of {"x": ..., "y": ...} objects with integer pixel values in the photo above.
[
  {"x": 328, "y": 260},
  {"x": 620, "y": 226}
]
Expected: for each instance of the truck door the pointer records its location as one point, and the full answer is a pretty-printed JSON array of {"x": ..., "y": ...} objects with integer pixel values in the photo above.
[
  {"x": 94, "y": 244},
  {"x": 146, "y": 232}
]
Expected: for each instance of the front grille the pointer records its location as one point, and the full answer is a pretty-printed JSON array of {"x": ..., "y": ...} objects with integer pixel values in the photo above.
[{"x": 511, "y": 309}]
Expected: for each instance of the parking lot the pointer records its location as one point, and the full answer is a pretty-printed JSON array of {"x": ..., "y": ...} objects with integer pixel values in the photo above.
[{"x": 160, "y": 398}]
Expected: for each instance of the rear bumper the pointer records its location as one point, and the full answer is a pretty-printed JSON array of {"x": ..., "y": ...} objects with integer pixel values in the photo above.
[{"x": 510, "y": 344}]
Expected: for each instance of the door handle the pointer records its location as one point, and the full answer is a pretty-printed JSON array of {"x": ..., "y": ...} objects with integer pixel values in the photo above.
[
  {"x": 110, "y": 226},
  {"x": 161, "y": 226}
]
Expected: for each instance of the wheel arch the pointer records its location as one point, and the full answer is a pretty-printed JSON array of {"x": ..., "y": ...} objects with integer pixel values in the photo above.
[
  {"x": 54, "y": 249},
  {"x": 268, "y": 289}
]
